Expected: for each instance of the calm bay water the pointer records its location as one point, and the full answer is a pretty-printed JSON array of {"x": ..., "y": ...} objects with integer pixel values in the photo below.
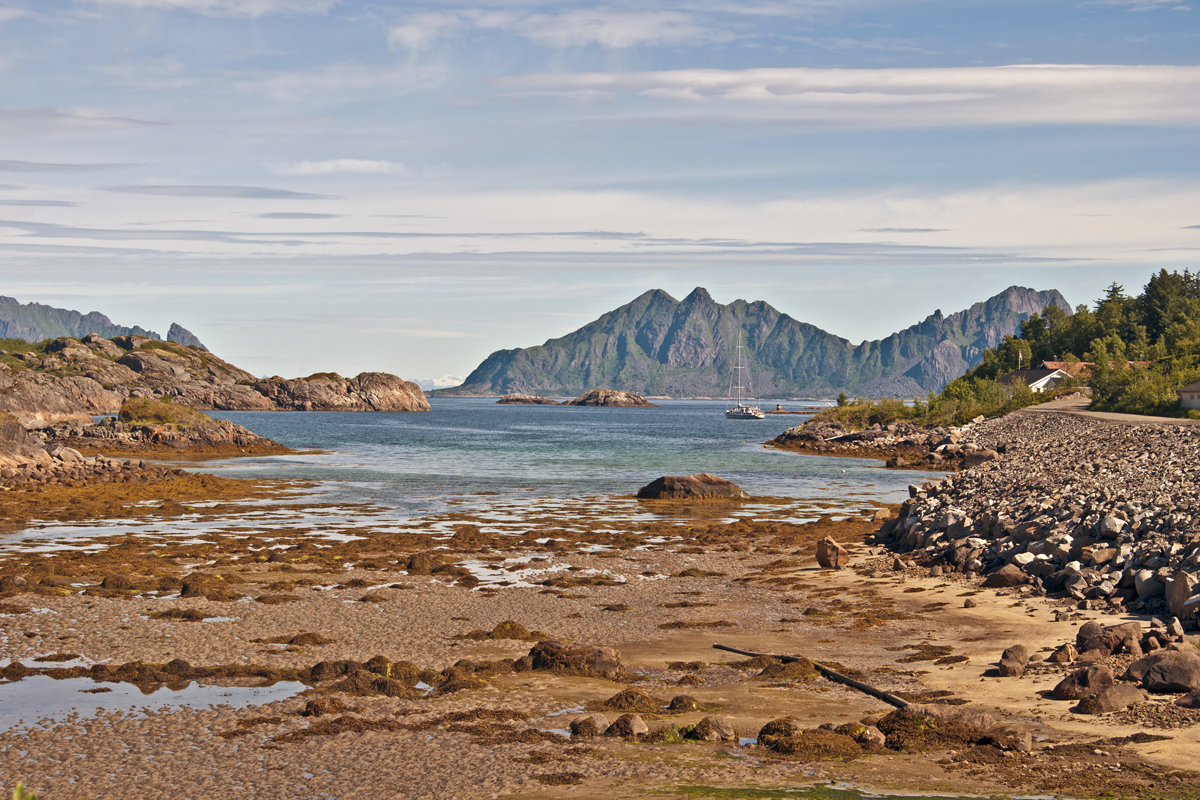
[{"x": 468, "y": 446}]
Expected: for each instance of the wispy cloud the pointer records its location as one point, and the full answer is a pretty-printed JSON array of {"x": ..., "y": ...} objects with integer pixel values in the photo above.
[
  {"x": 342, "y": 165},
  {"x": 296, "y": 215},
  {"x": 246, "y": 192},
  {"x": 228, "y": 8},
  {"x": 610, "y": 28},
  {"x": 39, "y": 203},
  {"x": 890, "y": 98},
  {"x": 902, "y": 230},
  {"x": 1142, "y": 5},
  {"x": 50, "y": 121},
  {"x": 9, "y": 14},
  {"x": 44, "y": 166},
  {"x": 340, "y": 79}
]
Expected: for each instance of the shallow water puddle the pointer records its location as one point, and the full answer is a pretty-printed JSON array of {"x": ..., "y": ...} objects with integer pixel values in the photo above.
[{"x": 41, "y": 701}]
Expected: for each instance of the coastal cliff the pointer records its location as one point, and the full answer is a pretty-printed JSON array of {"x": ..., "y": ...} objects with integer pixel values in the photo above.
[{"x": 74, "y": 379}]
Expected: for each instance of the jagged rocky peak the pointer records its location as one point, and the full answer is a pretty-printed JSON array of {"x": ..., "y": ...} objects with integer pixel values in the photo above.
[
  {"x": 181, "y": 335},
  {"x": 35, "y": 322},
  {"x": 656, "y": 345}
]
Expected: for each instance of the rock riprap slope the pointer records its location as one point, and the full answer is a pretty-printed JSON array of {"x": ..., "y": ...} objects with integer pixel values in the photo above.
[
  {"x": 1106, "y": 512},
  {"x": 73, "y": 379}
]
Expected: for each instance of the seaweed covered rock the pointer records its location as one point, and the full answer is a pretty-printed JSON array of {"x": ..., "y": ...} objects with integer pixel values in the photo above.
[
  {"x": 589, "y": 726},
  {"x": 633, "y": 699},
  {"x": 627, "y": 726},
  {"x": 714, "y": 729},
  {"x": 784, "y": 736},
  {"x": 566, "y": 658}
]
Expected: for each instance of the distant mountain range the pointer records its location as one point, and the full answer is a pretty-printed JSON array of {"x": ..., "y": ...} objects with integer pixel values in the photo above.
[
  {"x": 657, "y": 345},
  {"x": 35, "y": 322}
]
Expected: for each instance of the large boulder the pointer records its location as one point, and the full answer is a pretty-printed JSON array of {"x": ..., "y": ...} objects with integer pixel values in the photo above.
[
  {"x": 1083, "y": 683},
  {"x": 1007, "y": 576},
  {"x": 1113, "y": 698},
  {"x": 1178, "y": 594},
  {"x": 1094, "y": 637},
  {"x": 627, "y": 726},
  {"x": 701, "y": 486},
  {"x": 714, "y": 729},
  {"x": 1167, "y": 671},
  {"x": 830, "y": 554}
]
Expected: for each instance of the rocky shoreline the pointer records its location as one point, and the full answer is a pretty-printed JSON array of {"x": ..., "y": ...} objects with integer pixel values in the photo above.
[
  {"x": 26, "y": 462},
  {"x": 1105, "y": 513},
  {"x": 901, "y": 445},
  {"x": 76, "y": 379},
  {"x": 214, "y": 438}
]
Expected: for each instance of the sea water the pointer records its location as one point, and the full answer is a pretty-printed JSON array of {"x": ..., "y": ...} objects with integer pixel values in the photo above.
[{"x": 467, "y": 448}]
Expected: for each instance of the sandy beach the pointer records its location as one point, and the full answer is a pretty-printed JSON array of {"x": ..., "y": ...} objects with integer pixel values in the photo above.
[{"x": 661, "y": 590}]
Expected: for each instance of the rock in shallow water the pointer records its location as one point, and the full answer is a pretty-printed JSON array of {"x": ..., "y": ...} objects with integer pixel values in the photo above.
[{"x": 701, "y": 486}]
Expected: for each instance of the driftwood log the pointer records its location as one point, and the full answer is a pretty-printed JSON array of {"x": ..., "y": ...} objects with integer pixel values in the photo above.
[{"x": 832, "y": 675}]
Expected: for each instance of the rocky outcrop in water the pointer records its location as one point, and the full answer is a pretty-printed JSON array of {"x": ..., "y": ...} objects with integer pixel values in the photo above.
[
  {"x": 1104, "y": 512},
  {"x": 701, "y": 486},
  {"x": 518, "y": 399},
  {"x": 902, "y": 445},
  {"x": 658, "y": 345},
  {"x": 612, "y": 398},
  {"x": 74, "y": 379}
]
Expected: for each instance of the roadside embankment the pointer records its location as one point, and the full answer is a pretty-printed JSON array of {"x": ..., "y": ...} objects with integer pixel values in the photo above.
[{"x": 1104, "y": 511}]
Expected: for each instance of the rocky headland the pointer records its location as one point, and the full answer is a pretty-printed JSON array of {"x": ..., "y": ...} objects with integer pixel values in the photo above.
[
  {"x": 612, "y": 398},
  {"x": 1104, "y": 512},
  {"x": 161, "y": 428},
  {"x": 26, "y": 462},
  {"x": 902, "y": 445},
  {"x": 74, "y": 379}
]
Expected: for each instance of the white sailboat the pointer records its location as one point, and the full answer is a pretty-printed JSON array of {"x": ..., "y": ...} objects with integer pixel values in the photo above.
[{"x": 741, "y": 407}]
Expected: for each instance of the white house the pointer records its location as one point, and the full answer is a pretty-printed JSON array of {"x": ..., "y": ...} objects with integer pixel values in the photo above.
[
  {"x": 1039, "y": 380},
  {"x": 1189, "y": 396}
]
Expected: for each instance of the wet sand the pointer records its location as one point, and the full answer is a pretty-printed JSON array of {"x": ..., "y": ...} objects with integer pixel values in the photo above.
[{"x": 660, "y": 583}]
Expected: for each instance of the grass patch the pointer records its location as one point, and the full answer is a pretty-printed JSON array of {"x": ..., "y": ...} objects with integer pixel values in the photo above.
[{"x": 144, "y": 411}]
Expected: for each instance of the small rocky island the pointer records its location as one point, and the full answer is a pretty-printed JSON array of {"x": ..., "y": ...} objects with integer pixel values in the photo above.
[
  {"x": 521, "y": 399},
  {"x": 612, "y": 398}
]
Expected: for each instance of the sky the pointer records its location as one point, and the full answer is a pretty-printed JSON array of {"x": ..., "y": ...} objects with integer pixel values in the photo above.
[{"x": 314, "y": 185}]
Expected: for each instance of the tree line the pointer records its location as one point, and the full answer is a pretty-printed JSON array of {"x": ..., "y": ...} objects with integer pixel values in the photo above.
[{"x": 1142, "y": 348}]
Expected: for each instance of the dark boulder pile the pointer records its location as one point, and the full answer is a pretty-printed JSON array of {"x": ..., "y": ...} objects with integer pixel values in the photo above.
[{"x": 1107, "y": 513}]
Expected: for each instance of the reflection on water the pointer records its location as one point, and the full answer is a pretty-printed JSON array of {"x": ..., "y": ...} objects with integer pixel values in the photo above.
[{"x": 40, "y": 699}]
